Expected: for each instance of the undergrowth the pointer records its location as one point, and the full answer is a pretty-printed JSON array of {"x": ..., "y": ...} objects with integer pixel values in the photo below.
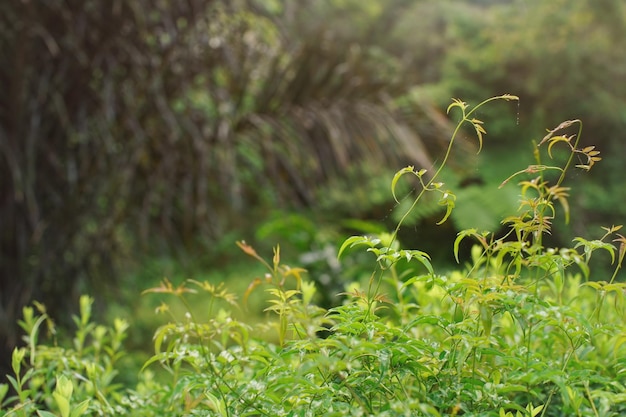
[{"x": 519, "y": 329}]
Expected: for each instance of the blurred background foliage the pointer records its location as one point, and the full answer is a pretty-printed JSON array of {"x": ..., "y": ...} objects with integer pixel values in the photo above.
[{"x": 137, "y": 131}]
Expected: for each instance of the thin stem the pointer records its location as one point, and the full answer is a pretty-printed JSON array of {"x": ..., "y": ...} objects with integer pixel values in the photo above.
[
  {"x": 615, "y": 272},
  {"x": 426, "y": 187},
  {"x": 571, "y": 156}
]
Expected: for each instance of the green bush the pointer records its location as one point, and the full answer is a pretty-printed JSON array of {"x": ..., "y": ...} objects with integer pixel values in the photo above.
[
  {"x": 522, "y": 329},
  {"x": 562, "y": 59}
]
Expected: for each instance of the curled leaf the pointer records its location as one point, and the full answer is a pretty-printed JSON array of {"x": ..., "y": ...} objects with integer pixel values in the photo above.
[
  {"x": 255, "y": 283},
  {"x": 406, "y": 170},
  {"x": 448, "y": 199},
  {"x": 556, "y": 139},
  {"x": 457, "y": 103},
  {"x": 480, "y": 131}
]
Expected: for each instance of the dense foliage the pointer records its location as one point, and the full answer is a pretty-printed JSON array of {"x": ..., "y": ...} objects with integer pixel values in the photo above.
[
  {"x": 521, "y": 330},
  {"x": 136, "y": 127},
  {"x": 139, "y": 125}
]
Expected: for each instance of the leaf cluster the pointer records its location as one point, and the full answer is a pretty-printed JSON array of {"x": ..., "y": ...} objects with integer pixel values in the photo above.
[{"x": 521, "y": 329}]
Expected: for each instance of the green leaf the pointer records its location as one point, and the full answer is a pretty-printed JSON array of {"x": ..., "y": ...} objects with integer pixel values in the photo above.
[
  {"x": 160, "y": 335},
  {"x": 13, "y": 382},
  {"x": 384, "y": 357},
  {"x": 64, "y": 386},
  {"x": 534, "y": 410},
  {"x": 155, "y": 358},
  {"x": 4, "y": 388},
  {"x": 80, "y": 409},
  {"x": 409, "y": 169},
  {"x": 350, "y": 242},
  {"x": 428, "y": 319},
  {"x": 63, "y": 404},
  {"x": 85, "y": 303},
  {"x": 448, "y": 199},
  {"x": 589, "y": 246},
  {"x": 16, "y": 360},
  {"x": 420, "y": 256},
  {"x": 216, "y": 404},
  {"x": 462, "y": 235},
  {"x": 508, "y": 388},
  {"x": 62, "y": 394},
  {"x": 618, "y": 343},
  {"x": 486, "y": 318}
]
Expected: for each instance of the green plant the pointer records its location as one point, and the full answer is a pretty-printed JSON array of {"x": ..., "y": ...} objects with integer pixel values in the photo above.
[
  {"x": 517, "y": 325},
  {"x": 522, "y": 329},
  {"x": 221, "y": 114},
  {"x": 523, "y": 46},
  {"x": 72, "y": 381}
]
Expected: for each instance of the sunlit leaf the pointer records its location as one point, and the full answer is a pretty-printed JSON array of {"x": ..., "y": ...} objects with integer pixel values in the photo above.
[
  {"x": 448, "y": 199},
  {"x": 457, "y": 103},
  {"x": 556, "y": 139},
  {"x": 80, "y": 409},
  {"x": 589, "y": 246},
  {"x": 480, "y": 130},
  {"x": 62, "y": 395},
  {"x": 465, "y": 233},
  {"x": 420, "y": 256},
  {"x": 622, "y": 246},
  {"x": 255, "y": 283},
  {"x": 354, "y": 241},
  {"x": 397, "y": 176}
]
